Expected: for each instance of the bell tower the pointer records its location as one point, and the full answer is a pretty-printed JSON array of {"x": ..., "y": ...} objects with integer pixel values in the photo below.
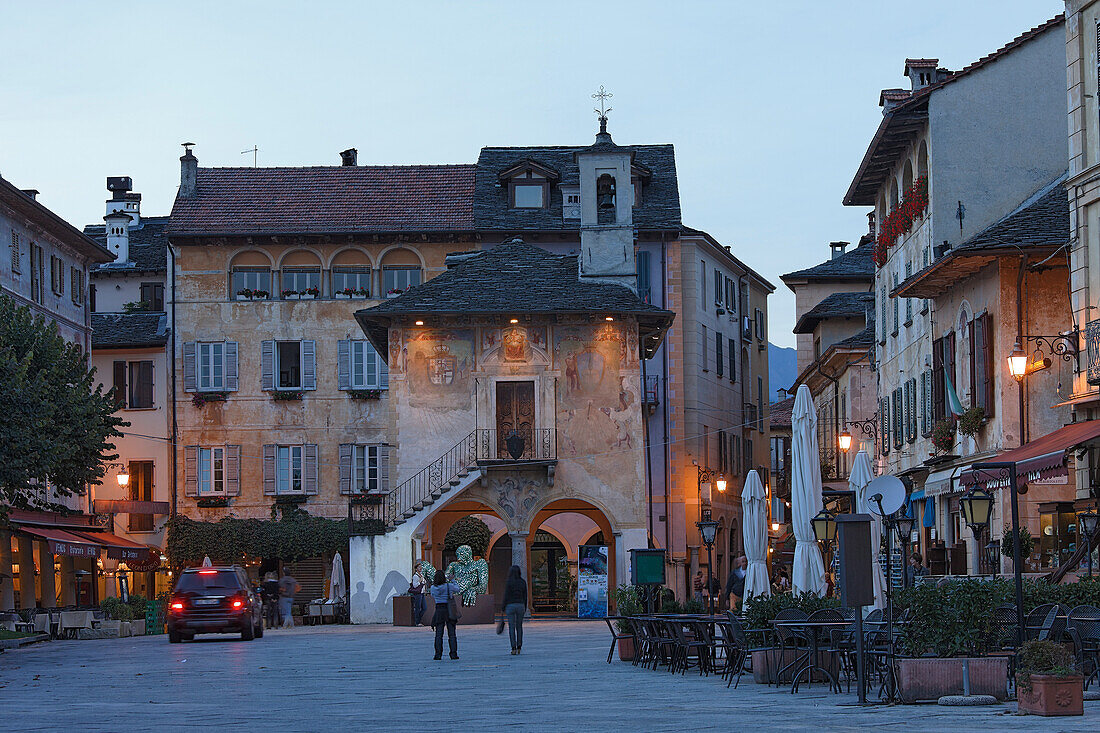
[{"x": 607, "y": 207}]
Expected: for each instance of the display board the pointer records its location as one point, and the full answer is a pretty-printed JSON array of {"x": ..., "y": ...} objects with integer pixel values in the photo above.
[{"x": 592, "y": 581}]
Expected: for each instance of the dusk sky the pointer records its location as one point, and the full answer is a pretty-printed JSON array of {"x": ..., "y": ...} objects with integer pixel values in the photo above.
[{"x": 770, "y": 106}]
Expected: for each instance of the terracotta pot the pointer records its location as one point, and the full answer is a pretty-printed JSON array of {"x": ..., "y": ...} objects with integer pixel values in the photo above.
[
  {"x": 1052, "y": 695},
  {"x": 930, "y": 678},
  {"x": 626, "y": 649}
]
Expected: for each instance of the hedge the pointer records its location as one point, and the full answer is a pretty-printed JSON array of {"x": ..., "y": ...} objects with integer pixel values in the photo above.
[{"x": 231, "y": 540}]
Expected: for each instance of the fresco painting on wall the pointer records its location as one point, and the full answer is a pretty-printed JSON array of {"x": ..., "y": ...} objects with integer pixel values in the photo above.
[
  {"x": 594, "y": 396},
  {"x": 438, "y": 366},
  {"x": 514, "y": 343}
]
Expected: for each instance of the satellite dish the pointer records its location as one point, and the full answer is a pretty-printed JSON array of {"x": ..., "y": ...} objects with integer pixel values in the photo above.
[{"x": 885, "y": 495}]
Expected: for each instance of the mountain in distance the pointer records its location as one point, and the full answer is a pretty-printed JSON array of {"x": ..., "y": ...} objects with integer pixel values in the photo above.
[{"x": 782, "y": 368}]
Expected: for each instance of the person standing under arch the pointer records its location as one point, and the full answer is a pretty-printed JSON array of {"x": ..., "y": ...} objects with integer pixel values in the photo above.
[
  {"x": 515, "y": 606},
  {"x": 442, "y": 591}
]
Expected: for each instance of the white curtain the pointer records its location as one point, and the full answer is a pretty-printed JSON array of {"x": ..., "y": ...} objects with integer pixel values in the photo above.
[
  {"x": 754, "y": 526},
  {"x": 861, "y": 477},
  {"x": 809, "y": 570}
]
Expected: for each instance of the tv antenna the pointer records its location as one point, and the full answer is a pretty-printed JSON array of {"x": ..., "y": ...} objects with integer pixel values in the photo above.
[{"x": 252, "y": 150}]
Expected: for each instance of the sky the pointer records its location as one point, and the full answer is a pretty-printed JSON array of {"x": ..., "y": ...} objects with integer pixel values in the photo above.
[{"x": 770, "y": 105}]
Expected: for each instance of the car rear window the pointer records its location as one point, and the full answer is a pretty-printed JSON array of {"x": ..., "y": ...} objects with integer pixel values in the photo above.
[{"x": 209, "y": 580}]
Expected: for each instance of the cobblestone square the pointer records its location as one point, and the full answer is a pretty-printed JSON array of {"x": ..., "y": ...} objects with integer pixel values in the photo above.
[{"x": 383, "y": 678}]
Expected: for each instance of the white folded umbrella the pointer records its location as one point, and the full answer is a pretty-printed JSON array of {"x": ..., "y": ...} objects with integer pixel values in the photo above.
[
  {"x": 809, "y": 569},
  {"x": 755, "y": 531}
]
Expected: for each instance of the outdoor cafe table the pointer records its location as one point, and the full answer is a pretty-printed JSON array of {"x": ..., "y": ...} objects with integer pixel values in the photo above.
[{"x": 814, "y": 629}]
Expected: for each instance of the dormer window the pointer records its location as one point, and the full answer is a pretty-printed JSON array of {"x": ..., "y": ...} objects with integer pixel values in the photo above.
[
  {"x": 529, "y": 194},
  {"x": 528, "y": 185}
]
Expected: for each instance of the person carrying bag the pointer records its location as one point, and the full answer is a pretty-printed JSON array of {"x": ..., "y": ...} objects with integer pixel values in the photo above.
[{"x": 447, "y": 613}]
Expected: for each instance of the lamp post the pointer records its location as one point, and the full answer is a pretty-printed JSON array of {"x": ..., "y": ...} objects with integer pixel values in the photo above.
[
  {"x": 993, "y": 555},
  {"x": 977, "y": 509},
  {"x": 1008, "y": 471},
  {"x": 824, "y": 526},
  {"x": 1087, "y": 521},
  {"x": 708, "y": 529},
  {"x": 903, "y": 525}
]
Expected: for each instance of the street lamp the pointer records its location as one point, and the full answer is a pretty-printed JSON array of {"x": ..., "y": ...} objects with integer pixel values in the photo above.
[
  {"x": 123, "y": 478},
  {"x": 720, "y": 483},
  {"x": 993, "y": 555},
  {"x": 708, "y": 530},
  {"x": 824, "y": 524},
  {"x": 1086, "y": 522},
  {"x": 976, "y": 508},
  {"x": 1017, "y": 362},
  {"x": 844, "y": 440},
  {"x": 1007, "y": 470}
]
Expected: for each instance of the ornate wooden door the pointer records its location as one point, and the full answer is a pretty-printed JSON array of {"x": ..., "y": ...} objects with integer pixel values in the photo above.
[{"x": 515, "y": 414}]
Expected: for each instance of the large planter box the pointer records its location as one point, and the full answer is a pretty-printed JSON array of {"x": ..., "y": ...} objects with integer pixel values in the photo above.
[
  {"x": 626, "y": 649},
  {"x": 1052, "y": 695},
  {"x": 930, "y": 678},
  {"x": 137, "y": 627},
  {"x": 482, "y": 612},
  {"x": 766, "y": 665}
]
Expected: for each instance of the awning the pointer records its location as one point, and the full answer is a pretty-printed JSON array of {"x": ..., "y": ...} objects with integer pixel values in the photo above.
[
  {"x": 1042, "y": 458},
  {"x": 117, "y": 547},
  {"x": 64, "y": 543},
  {"x": 929, "y": 513},
  {"x": 942, "y": 482}
]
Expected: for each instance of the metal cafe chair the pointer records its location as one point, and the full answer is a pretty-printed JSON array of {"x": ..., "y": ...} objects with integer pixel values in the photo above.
[
  {"x": 1083, "y": 627},
  {"x": 790, "y": 640},
  {"x": 616, "y": 635}
]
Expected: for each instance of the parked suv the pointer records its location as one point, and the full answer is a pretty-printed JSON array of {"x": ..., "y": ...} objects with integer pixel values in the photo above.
[{"x": 214, "y": 600}]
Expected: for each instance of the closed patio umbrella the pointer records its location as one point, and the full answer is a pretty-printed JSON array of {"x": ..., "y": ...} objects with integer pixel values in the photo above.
[
  {"x": 338, "y": 588},
  {"x": 754, "y": 527},
  {"x": 809, "y": 570},
  {"x": 858, "y": 482}
]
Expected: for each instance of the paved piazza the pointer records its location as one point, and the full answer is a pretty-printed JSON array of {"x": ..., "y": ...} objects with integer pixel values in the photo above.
[{"x": 381, "y": 678}]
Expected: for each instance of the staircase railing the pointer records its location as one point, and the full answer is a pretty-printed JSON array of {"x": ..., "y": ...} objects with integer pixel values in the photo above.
[{"x": 422, "y": 485}]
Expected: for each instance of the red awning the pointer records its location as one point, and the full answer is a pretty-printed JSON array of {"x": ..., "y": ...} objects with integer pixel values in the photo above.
[
  {"x": 1042, "y": 458},
  {"x": 61, "y": 542},
  {"x": 117, "y": 547}
]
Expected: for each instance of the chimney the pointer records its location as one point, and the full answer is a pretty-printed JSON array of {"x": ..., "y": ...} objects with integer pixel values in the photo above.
[
  {"x": 923, "y": 73},
  {"x": 189, "y": 171},
  {"x": 871, "y": 222},
  {"x": 890, "y": 98},
  {"x": 118, "y": 235},
  {"x": 32, "y": 192},
  {"x": 122, "y": 199},
  {"x": 838, "y": 248},
  {"x": 349, "y": 157}
]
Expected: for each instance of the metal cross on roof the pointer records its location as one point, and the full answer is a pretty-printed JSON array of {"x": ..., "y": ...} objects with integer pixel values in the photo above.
[{"x": 603, "y": 95}]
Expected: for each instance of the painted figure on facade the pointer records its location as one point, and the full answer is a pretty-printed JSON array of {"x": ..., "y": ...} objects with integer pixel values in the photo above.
[{"x": 471, "y": 575}]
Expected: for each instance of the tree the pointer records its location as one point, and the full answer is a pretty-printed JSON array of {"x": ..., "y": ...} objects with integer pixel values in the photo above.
[{"x": 57, "y": 423}]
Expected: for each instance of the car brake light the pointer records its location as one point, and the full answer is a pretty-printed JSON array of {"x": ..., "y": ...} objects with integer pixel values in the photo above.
[
  {"x": 208, "y": 572},
  {"x": 177, "y": 606},
  {"x": 238, "y": 603}
]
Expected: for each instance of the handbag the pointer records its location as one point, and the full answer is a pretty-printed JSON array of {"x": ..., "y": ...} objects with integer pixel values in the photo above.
[{"x": 453, "y": 612}]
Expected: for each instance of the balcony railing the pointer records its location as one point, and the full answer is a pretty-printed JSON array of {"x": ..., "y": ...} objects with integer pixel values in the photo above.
[
  {"x": 650, "y": 396},
  {"x": 524, "y": 444},
  {"x": 1092, "y": 351}
]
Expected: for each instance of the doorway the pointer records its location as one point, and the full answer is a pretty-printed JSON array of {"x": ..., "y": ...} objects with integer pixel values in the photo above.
[
  {"x": 515, "y": 417},
  {"x": 550, "y": 575}
]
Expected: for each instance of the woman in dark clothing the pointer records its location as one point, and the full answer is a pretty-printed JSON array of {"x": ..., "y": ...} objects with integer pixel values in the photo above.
[
  {"x": 515, "y": 607},
  {"x": 442, "y": 591}
]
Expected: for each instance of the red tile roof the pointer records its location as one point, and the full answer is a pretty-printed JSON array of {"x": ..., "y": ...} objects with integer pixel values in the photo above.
[{"x": 325, "y": 200}]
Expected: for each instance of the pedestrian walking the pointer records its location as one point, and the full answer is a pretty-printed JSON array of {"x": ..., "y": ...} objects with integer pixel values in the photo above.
[
  {"x": 443, "y": 590},
  {"x": 416, "y": 590},
  {"x": 515, "y": 607},
  {"x": 269, "y": 592},
  {"x": 735, "y": 583},
  {"x": 288, "y": 586}
]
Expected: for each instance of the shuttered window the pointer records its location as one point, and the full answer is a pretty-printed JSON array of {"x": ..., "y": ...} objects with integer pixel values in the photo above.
[
  {"x": 897, "y": 307},
  {"x": 290, "y": 365},
  {"x": 718, "y": 287},
  {"x": 882, "y": 315},
  {"x": 360, "y": 366},
  {"x": 899, "y": 424},
  {"x": 911, "y": 389},
  {"x": 364, "y": 468},
  {"x": 212, "y": 470},
  {"x": 140, "y": 394},
  {"x": 981, "y": 363},
  {"x": 884, "y": 425},
  {"x": 719, "y": 359},
  {"x": 641, "y": 260},
  {"x": 210, "y": 366},
  {"x": 908, "y": 301},
  {"x": 290, "y": 469},
  {"x": 939, "y": 399},
  {"x": 15, "y": 262},
  {"x": 732, "y": 359}
]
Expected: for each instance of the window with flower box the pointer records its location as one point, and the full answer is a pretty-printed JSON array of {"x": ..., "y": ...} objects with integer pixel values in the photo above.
[
  {"x": 364, "y": 468},
  {"x": 290, "y": 469},
  {"x": 210, "y": 366},
  {"x": 359, "y": 366},
  {"x": 212, "y": 470}
]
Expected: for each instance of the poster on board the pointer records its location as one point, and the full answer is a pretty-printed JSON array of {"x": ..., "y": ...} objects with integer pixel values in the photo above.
[{"x": 592, "y": 581}]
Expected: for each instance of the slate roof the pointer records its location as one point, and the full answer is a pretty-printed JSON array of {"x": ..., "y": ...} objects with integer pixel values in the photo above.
[
  {"x": 862, "y": 340},
  {"x": 129, "y": 330},
  {"x": 16, "y": 200},
  {"x": 659, "y": 208},
  {"x": 836, "y": 305},
  {"x": 781, "y": 413},
  {"x": 148, "y": 246},
  {"x": 1041, "y": 221},
  {"x": 513, "y": 278},
  {"x": 327, "y": 200},
  {"x": 855, "y": 264}
]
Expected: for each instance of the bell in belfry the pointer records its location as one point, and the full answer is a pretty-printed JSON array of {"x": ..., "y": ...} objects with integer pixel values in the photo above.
[{"x": 605, "y": 192}]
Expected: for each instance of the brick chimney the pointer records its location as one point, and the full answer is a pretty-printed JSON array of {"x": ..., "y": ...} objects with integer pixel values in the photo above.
[
  {"x": 189, "y": 171},
  {"x": 349, "y": 157}
]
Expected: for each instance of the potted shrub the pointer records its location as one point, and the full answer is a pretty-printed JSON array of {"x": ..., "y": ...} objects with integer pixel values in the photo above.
[
  {"x": 1047, "y": 681},
  {"x": 628, "y": 602},
  {"x": 943, "y": 436},
  {"x": 356, "y": 293},
  {"x": 309, "y": 293},
  {"x": 201, "y": 398},
  {"x": 291, "y": 295},
  {"x": 283, "y": 395},
  {"x": 365, "y": 394},
  {"x": 971, "y": 421},
  {"x": 1027, "y": 543},
  {"x": 394, "y": 292},
  {"x": 245, "y": 294}
]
